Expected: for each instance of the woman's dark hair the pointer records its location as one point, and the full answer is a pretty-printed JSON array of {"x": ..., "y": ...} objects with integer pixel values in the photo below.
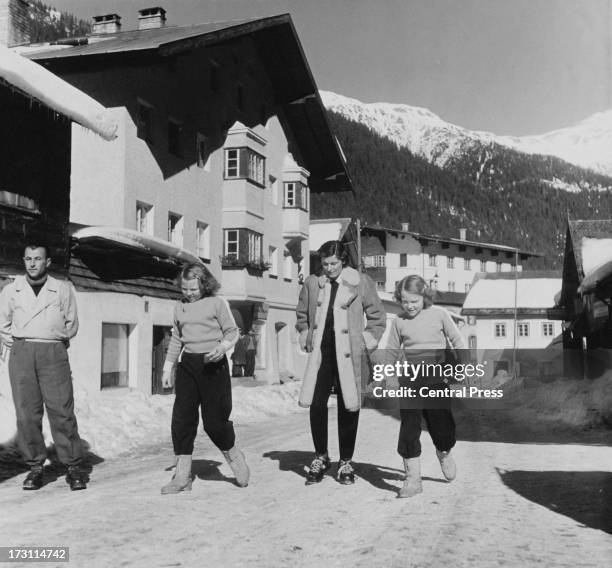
[
  {"x": 208, "y": 283},
  {"x": 414, "y": 284},
  {"x": 334, "y": 248}
]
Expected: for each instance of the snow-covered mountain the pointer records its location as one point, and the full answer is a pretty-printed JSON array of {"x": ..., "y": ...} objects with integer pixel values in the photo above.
[{"x": 587, "y": 144}]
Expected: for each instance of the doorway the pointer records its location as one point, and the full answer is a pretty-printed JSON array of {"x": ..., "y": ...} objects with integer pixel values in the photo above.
[{"x": 161, "y": 340}]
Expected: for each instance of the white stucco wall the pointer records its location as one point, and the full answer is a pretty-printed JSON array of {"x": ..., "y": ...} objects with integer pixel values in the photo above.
[{"x": 96, "y": 308}]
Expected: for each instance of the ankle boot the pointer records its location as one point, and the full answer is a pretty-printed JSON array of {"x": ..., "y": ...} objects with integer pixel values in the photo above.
[
  {"x": 236, "y": 460},
  {"x": 412, "y": 482},
  {"x": 181, "y": 480},
  {"x": 447, "y": 463}
]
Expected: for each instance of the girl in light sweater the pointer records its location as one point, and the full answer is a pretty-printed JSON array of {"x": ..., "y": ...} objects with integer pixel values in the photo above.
[
  {"x": 423, "y": 329},
  {"x": 204, "y": 330}
]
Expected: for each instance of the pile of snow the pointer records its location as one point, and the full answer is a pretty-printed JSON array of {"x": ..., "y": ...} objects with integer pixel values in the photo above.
[
  {"x": 425, "y": 134},
  {"x": 113, "y": 423}
]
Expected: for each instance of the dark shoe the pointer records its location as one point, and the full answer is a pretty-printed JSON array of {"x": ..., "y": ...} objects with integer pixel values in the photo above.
[
  {"x": 76, "y": 478},
  {"x": 34, "y": 480},
  {"x": 317, "y": 469},
  {"x": 346, "y": 473}
]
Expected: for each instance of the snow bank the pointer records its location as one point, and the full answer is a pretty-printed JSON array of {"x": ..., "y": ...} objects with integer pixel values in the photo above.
[
  {"x": 120, "y": 421},
  {"x": 567, "y": 402}
]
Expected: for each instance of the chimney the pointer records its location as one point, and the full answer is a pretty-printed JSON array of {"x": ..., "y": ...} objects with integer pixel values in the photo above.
[
  {"x": 462, "y": 234},
  {"x": 151, "y": 18},
  {"x": 14, "y": 22},
  {"x": 405, "y": 226},
  {"x": 107, "y": 24}
]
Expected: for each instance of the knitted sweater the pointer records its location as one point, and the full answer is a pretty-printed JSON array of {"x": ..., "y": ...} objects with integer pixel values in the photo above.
[
  {"x": 432, "y": 328},
  {"x": 201, "y": 326}
]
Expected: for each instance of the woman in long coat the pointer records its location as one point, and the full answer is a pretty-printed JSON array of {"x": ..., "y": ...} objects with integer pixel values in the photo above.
[{"x": 330, "y": 320}]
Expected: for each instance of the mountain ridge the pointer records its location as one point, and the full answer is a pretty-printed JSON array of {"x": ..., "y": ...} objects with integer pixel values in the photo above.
[
  {"x": 500, "y": 195},
  {"x": 586, "y": 145}
]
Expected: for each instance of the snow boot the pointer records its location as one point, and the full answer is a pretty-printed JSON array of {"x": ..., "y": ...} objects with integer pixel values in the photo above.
[
  {"x": 447, "y": 463},
  {"x": 181, "y": 480},
  {"x": 412, "y": 482},
  {"x": 235, "y": 459}
]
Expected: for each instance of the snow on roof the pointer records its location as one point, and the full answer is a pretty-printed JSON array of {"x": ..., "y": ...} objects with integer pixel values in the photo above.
[
  {"x": 500, "y": 293},
  {"x": 36, "y": 82},
  {"x": 595, "y": 252},
  {"x": 328, "y": 230}
]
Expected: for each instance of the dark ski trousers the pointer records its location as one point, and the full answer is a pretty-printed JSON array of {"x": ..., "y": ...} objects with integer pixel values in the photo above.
[
  {"x": 440, "y": 424},
  {"x": 327, "y": 377},
  {"x": 207, "y": 386},
  {"x": 40, "y": 375}
]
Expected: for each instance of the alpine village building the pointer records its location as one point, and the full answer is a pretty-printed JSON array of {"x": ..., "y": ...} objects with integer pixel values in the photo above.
[{"x": 222, "y": 137}]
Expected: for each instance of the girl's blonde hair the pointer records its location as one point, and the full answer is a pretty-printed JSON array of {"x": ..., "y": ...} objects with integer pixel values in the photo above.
[
  {"x": 414, "y": 284},
  {"x": 208, "y": 283}
]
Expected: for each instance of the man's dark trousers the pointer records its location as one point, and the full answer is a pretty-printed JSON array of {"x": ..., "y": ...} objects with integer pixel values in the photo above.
[{"x": 40, "y": 373}]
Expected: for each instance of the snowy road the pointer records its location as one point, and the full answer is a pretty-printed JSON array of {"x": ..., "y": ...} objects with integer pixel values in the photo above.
[{"x": 513, "y": 504}]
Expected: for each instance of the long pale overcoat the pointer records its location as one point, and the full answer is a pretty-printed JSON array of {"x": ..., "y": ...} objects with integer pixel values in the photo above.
[{"x": 359, "y": 323}]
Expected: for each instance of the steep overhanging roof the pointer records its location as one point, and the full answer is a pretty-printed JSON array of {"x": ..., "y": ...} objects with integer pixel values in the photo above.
[
  {"x": 278, "y": 44},
  {"x": 582, "y": 231},
  {"x": 34, "y": 81}
]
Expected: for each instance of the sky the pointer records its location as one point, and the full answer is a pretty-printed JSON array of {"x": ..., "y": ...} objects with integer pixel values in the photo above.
[{"x": 512, "y": 67}]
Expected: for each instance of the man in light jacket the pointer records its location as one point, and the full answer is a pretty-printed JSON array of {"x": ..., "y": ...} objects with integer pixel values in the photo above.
[{"x": 38, "y": 317}]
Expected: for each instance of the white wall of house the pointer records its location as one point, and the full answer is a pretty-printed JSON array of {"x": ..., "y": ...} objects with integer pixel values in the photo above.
[
  {"x": 484, "y": 330},
  {"x": 139, "y": 313}
]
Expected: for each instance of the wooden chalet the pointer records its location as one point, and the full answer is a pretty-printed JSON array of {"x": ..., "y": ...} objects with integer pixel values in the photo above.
[{"x": 586, "y": 294}]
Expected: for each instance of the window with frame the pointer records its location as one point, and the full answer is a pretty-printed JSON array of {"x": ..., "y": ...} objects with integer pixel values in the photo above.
[
  {"x": 500, "y": 330},
  {"x": 202, "y": 240},
  {"x": 403, "y": 259},
  {"x": 175, "y": 229},
  {"x": 467, "y": 288},
  {"x": 231, "y": 248},
  {"x": 467, "y": 264},
  {"x": 115, "y": 355},
  {"x": 144, "y": 121},
  {"x": 242, "y": 245},
  {"x": 433, "y": 260},
  {"x": 255, "y": 246},
  {"x": 174, "y": 137},
  {"x": 548, "y": 329},
  {"x": 451, "y": 286},
  {"x": 144, "y": 218},
  {"x": 498, "y": 266},
  {"x": 380, "y": 285},
  {"x": 471, "y": 320},
  {"x": 296, "y": 195},
  {"x": 379, "y": 260},
  {"x": 245, "y": 163},
  {"x": 450, "y": 262},
  {"x": 472, "y": 342},
  {"x": 483, "y": 266},
  {"x": 522, "y": 329}
]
